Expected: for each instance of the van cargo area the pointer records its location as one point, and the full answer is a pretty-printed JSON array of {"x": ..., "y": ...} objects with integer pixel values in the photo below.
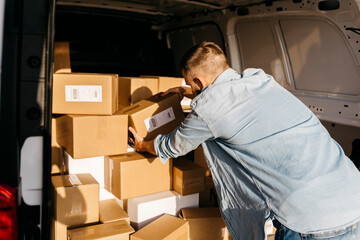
[{"x": 77, "y": 73}]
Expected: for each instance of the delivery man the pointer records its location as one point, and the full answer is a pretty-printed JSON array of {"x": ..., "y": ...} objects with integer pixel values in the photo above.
[{"x": 269, "y": 156}]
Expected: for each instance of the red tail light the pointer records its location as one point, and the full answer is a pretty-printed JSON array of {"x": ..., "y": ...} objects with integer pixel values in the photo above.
[{"x": 8, "y": 225}]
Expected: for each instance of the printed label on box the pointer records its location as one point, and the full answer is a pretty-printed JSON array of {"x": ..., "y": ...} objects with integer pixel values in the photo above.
[
  {"x": 159, "y": 119},
  {"x": 83, "y": 93}
]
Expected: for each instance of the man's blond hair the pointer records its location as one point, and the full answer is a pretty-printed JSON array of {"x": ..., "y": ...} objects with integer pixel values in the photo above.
[{"x": 206, "y": 58}]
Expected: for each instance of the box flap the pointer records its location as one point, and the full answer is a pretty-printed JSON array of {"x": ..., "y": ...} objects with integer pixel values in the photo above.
[
  {"x": 164, "y": 228},
  {"x": 136, "y": 107}
]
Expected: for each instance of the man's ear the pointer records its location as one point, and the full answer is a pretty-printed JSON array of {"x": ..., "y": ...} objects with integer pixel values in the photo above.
[{"x": 201, "y": 82}]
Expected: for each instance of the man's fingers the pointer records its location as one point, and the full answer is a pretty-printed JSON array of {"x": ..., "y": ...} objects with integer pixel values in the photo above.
[
  {"x": 167, "y": 92},
  {"x": 137, "y": 137},
  {"x": 131, "y": 142},
  {"x": 177, "y": 90},
  {"x": 132, "y": 131}
]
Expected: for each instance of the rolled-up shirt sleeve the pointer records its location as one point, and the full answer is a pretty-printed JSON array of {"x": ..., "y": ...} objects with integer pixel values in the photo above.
[{"x": 185, "y": 138}]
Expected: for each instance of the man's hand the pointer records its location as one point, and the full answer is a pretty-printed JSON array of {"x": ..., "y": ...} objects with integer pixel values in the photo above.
[
  {"x": 139, "y": 144},
  {"x": 181, "y": 91},
  {"x": 178, "y": 90}
]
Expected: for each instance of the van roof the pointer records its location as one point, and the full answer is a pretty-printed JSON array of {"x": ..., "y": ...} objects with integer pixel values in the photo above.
[{"x": 159, "y": 11}]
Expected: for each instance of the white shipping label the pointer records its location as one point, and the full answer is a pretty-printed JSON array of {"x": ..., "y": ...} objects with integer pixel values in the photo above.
[
  {"x": 159, "y": 119},
  {"x": 83, "y": 93}
]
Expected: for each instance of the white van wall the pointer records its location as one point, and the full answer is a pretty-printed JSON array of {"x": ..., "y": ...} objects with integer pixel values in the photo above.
[{"x": 310, "y": 52}]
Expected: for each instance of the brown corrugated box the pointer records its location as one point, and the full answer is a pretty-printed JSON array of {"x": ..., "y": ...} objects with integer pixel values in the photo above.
[
  {"x": 85, "y": 93},
  {"x": 166, "y": 227},
  {"x": 118, "y": 230},
  {"x": 199, "y": 158},
  {"x": 188, "y": 177},
  {"x": 58, "y": 230},
  {"x": 111, "y": 211},
  {"x": 133, "y": 175},
  {"x": 205, "y": 223},
  {"x": 62, "y": 57},
  {"x": 165, "y": 83},
  {"x": 134, "y": 89},
  {"x": 84, "y": 136},
  {"x": 155, "y": 115},
  {"x": 57, "y": 164},
  {"x": 76, "y": 199},
  {"x": 208, "y": 197}
]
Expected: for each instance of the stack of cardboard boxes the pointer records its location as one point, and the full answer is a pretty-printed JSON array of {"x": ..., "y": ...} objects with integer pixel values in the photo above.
[{"x": 102, "y": 188}]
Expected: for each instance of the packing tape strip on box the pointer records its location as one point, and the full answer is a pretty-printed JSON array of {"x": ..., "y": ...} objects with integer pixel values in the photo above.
[{"x": 74, "y": 180}]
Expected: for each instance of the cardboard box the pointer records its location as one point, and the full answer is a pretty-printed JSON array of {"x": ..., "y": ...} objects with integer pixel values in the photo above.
[
  {"x": 134, "y": 89},
  {"x": 84, "y": 136},
  {"x": 155, "y": 115},
  {"x": 165, "y": 83},
  {"x": 62, "y": 57},
  {"x": 199, "y": 158},
  {"x": 85, "y": 93},
  {"x": 118, "y": 230},
  {"x": 208, "y": 197},
  {"x": 143, "y": 210},
  {"x": 92, "y": 165},
  {"x": 111, "y": 211},
  {"x": 76, "y": 199},
  {"x": 136, "y": 174},
  {"x": 164, "y": 228},
  {"x": 205, "y": 223},
  {"x": 57, "y": 163},
  {"x": 188, "y": 177},
  {"x": 58, "y": 230}
]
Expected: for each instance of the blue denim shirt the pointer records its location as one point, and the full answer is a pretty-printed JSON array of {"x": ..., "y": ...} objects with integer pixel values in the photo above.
[{"x": 269, "y": 156}]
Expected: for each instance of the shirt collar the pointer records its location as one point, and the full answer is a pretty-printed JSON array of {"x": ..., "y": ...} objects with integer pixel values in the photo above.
[{"x": 226, "y": 76}]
